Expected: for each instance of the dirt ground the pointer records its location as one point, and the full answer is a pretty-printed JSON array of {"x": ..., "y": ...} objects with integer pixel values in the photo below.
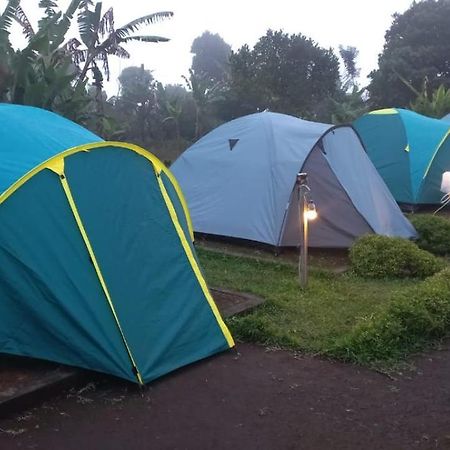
[{"x": 252, "y": 398}]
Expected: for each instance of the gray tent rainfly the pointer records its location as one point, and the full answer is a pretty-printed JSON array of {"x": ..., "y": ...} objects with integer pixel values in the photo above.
[
  {"x": 239, "y": 181},
  {"x": 446, "y": 118}
]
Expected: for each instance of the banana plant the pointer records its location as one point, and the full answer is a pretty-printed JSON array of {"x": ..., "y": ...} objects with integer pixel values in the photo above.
[
  {"x": 433, "y": 104},
  {"x": 100, "y": 39},
  {"x": 205, "y": 96},
  {"x": 43, "y": 70}
]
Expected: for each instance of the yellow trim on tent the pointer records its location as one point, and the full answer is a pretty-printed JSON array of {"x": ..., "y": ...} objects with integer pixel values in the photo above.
[
  {"x": 385, "y": 111},
  {"x": 58, "y": 168},
  {"x": 435, "y": 152},
  {"x": 193, "y": 262},
  {"x": 55, "y": 160}
]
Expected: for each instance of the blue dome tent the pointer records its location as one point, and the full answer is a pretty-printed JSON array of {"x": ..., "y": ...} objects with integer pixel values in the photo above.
[
  {"x": 97, "y": 266},
  {"x": 410, "y": 152},
  {"x": 239, "y": 181}
]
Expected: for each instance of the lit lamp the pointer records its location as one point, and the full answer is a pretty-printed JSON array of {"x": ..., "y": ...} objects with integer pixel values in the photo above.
[
  {"x": 307, "y": 210},
  {"x": 445, "y": 189}
]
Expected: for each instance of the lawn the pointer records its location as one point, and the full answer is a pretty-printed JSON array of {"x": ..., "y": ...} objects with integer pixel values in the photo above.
[{"x": 309, "y": 320}]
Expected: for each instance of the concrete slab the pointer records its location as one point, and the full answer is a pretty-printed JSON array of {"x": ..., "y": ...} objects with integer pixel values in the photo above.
[{"x": 231, "y": 303}]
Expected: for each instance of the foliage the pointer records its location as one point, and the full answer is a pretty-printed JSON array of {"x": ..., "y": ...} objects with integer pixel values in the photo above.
[
  {"x": 205, "y": 97},
  {"x": 434, "y": 233},
  {"x": 178, "y": 109},
  {"x": 52, "y": 71},
  {"x": 308, "y": 320},
  {"x": 285, "y": 73},
  {"x": 100, "y": 39},
  {"x": 434, "y": 104},
  {"x": 136, "y": 105},
  {"x": 41, "y": 74},
  {"x": 211, "y": 57},
  {"x": 418, "y": 47},
  {"x": 413, "y": 318},
  {"x": 351, "y": 71},
  {"x": 348, "y": 106},
  {"x": 374, "y": 256}
]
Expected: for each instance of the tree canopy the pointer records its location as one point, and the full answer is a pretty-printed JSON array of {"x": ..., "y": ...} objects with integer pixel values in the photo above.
[
  {"x": 417, "y": 47},
  {"x": 286, "y": 73},
  {"x": 211, "y": 57}
]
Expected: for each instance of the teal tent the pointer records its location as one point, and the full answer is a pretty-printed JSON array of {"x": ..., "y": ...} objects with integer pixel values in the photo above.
[
  {"x": 446, "y": 118},
  {"x": 410, "y": 151},
  {"x": 97, "y": 266}
]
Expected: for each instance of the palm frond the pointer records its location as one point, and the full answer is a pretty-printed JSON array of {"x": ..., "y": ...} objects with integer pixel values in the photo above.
[
  {"x": 145, "y": 39},
  {"x": 97, "y": 75},
  {"x": 88, "y": 23},
  {"x": 22, "y": 19},
  {"x": 106, "y": 25},
  {"x": 86, "y": 3},
  {"x": 68, "y": 15},
  {"x": 61, "y": 27},
  {"x": 6, "y": 19},
  {"x": 49, "y": 6},
  {"x": 78, "y": 55},
  {"x": 72, "y": 8},
  {"x": 72, "y": 44},
  {"x": 103, "y": 57},
  {"x": 120, "y": 52},
  {"x": 150, "y": 19}
]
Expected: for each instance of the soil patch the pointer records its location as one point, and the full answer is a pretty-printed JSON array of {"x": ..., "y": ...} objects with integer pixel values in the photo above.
[
  {"x": 24, "y": 380},
  {"x": 252, "y": 398}
]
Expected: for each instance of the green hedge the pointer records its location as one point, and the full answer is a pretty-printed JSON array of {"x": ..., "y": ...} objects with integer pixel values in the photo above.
[
  {"x": 414, "y": 317},
  {"x": 434, "y": 233},
  {"x": 374, "y": 256}
]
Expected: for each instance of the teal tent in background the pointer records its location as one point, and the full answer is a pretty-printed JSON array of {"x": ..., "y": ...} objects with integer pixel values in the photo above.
[
  {"x": 97, "y": 266},
  {"x": 410, "y": 151}
]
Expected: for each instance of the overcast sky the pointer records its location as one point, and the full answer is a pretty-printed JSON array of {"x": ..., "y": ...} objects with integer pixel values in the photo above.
[{"x": 360, "y": 23}]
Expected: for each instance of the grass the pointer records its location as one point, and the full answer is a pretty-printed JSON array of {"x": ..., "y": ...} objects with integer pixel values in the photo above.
[{"x": 311, "y": 320}]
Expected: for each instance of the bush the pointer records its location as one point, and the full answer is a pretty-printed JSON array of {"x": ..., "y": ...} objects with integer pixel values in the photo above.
[
  {"x": 374, "y": 256},
  {"x": 434, "y": 233},
  {"x": 414, "y": 318}
]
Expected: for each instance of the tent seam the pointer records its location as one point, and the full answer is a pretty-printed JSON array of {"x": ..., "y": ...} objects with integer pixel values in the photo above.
[
  {"x": 90, "y": 250},
  {"x": 98, "y": 145},
  {"x": 194, "y": 265}
]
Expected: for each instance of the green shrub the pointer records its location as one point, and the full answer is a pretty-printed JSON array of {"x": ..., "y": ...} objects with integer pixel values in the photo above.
[
  {"x": 374, "y": 256},
  {"x": 434, "y": 233},
  {"x": 414, "y": 318}
]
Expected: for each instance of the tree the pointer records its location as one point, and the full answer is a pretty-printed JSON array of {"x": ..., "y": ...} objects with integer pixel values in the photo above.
[
  {"x": 205, "y": 97},
  {"x": 351, "y": 71},
  {"x": 100, "y": 39},
  {"x": 136, "y": 104},
  {"x": 178, "y": 110},
  {"x": 430, "y": 103},
  {"x": 348, "y": 106},
  {"x": 40, "y": 74},
  {"x": 211, "y": 57},
  {"x": 417, "y": 47},
  {"x": 350, "y": 100},
  {"x": 285, "y": 73}
]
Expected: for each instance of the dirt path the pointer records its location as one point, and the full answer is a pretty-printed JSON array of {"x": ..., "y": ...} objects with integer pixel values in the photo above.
[{"x": 256, "y": 399}]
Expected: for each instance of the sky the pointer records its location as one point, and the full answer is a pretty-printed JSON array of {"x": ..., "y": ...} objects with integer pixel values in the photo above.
[{"x": 359, "y": 23}]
